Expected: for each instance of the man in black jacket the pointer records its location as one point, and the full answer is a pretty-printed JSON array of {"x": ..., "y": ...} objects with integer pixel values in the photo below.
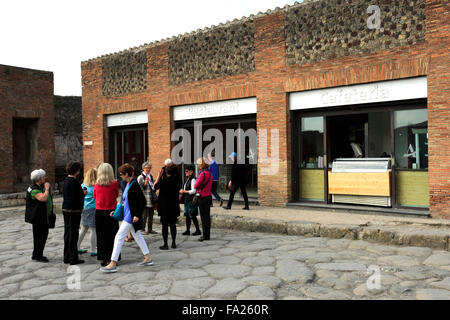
[{"x": 238, "y": 181}]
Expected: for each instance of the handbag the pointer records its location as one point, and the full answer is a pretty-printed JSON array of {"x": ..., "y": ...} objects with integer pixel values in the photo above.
[
  {"x": 51, "y": 220},
  {"x": 118, "y": 213},
  {"x": 181, "y": 199},
  {"x": 154, "y": 197}
]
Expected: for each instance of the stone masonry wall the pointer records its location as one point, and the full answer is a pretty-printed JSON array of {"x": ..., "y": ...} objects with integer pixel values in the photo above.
[
  {"x": 218, "y": 52},
  {"x": 330, "y": 29},
  {"x": 68, "y": 134},
  {"x": 124, "y": 73}
]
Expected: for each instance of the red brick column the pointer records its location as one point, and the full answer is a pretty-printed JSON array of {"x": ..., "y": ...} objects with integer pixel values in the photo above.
[
  {"x": 273, "y": 111},
  {"x": 438, "y": 38}
]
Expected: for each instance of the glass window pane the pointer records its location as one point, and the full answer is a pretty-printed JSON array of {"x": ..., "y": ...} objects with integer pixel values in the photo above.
[
  {"x": 411, "y": 139},
  {"x": 311, "y": 142},
  {"x": 311, "y": 173}
]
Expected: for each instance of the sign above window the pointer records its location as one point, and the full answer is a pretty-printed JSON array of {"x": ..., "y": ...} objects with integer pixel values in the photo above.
[
  {"x": 126, "y": 119},
  {"x": 215, "y": 109},
  {"x": 384, "y": 91}
]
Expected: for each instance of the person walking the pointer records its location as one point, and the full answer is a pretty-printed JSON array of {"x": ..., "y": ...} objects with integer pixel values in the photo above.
[
  {"x": 88, "y": 214},
  {"x": 133, "y": 204},
  {"x": 73, "y": 201},
  {"x": 106, "y": 191},
  {"x": 238, "y": 181},
  {"x": 169, "y": 184},
  {"x": 39, "y": 207},
  {"x": 214, "y": 169},
  {"x": 203, "y": 187},
  {"x": 146, "y": 183},
  {"x": 187, "y": 194}
]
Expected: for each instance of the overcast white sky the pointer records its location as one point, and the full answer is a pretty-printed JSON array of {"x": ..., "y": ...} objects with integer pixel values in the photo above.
[{"x": 56, "y": 35}]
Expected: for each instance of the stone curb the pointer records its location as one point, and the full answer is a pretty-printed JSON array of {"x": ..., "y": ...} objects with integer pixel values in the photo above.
[
  {"x": 16, "y": 199},
  {"x": 401, "y": 236}
]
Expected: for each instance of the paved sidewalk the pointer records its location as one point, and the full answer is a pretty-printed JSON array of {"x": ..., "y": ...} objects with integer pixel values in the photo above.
[{"x": 387, "y": 229}]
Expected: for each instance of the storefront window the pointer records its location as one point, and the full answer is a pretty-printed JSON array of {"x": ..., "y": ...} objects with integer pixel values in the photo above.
[
  {"x": 411, "y": 139},
  {"x": 312, "y": 142},
  {"x": 411, "y": 157},
  {"x": 311, "y": 159}
]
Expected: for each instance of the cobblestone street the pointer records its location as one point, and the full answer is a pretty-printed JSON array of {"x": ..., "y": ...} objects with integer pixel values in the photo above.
[{"x": 233, "y": 265}]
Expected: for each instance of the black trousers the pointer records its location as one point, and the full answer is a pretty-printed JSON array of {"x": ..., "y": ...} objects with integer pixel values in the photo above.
[
  {"x": 71, "y": 230},
  {"x": 40, "y": 235},
  {"x": 233, "y": 190},
  {"x": 165, "y": 232},
  {"x": 204, "y": 204},
  {"x": 106, "y": 228}
]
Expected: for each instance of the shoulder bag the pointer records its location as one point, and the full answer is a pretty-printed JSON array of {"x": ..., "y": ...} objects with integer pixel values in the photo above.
[
  {"x": 119, "y": 212},
  {"x": 197, "y": 195}
]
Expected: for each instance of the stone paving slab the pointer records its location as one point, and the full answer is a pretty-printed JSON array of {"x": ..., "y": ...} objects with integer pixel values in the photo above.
[{"x": 235, "y": 264}]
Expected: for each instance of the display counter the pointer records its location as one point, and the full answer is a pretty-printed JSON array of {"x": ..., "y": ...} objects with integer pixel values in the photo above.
[{"x": 361, "y": 181}]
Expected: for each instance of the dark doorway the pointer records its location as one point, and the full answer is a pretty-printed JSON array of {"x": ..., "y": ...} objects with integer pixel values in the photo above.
[{"x": 25, "y": 151}]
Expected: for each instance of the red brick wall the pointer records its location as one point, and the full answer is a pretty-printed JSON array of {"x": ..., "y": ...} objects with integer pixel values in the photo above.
[
  {"x": 271, "y": 82},
  {"x": 26, "y": 93},
  {"x": 438, "y": 38}
]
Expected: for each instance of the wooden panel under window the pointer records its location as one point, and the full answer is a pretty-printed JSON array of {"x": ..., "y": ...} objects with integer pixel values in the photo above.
[
  {"x": 412, "y": 188},
  {"x": 312, "y": 184},
  {"x": 359, "y": 183}
]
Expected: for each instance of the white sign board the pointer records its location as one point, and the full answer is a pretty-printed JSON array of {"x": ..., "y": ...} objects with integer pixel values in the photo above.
[
  {"x": 215, "y": 109},
  {"x": 126, "y": 119},
  {"x": 384, "y": 91}
]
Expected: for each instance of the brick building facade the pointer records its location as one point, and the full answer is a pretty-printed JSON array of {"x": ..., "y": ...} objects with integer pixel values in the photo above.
[
  {"x": 26, "y": 110},
  {"x": 385, "y": 88}
]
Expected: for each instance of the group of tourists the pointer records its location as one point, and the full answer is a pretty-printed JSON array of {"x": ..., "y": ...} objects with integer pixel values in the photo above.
[{"x": 92, "y": 204}]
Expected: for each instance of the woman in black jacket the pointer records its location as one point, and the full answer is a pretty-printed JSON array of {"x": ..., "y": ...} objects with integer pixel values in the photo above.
[
  {"x": 133, "y": 202},
  {"x": 169, "y": 184},
  {"x": 73, "y": 203},
  {"x": 39, "y": 207}
]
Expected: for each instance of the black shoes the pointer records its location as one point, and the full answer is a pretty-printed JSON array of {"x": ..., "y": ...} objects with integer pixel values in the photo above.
[
  {"x": 227, "y": 208},
  {"x": 77, "y": 262},
  {"x": 173, "y": 246},
  {"x": 246, "y": 208},
  {"x": 164, "y": 247},
  {"x": 196, "y": 233},
  {"x": 203, "y": 239},
  {"x": 41, "y": 259},
  {"x": 221, "y": 202}
]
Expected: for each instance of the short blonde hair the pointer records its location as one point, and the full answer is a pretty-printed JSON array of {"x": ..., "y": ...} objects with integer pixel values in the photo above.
[
  {"x": 202, "y": 163},
  {"x": 90, "y": 178},
  {"x": 105, "y": 174}
]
